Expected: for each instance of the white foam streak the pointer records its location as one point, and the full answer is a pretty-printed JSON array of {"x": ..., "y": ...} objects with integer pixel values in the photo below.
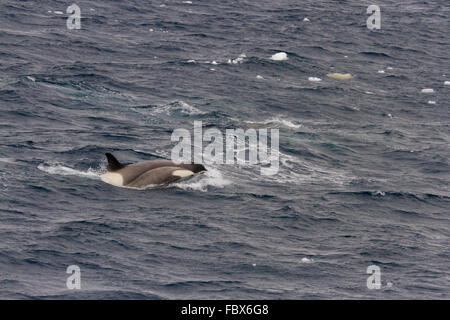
[
  {"x": 62, "y": 170},
  {"x": 211, "y": 178}
]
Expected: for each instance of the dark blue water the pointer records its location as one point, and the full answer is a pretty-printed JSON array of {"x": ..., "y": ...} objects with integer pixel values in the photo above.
[{"x": 364, "y": 163}]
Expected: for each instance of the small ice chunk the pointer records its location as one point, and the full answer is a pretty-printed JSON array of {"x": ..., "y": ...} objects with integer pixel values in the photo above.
[
  {"x": 254, "y": 264},
  {"x": 280, "y": 56},
  {"x": 389, "y": 115},
  {"x": 187, "y": 2},
  {"x": 307, "y": 260},
  {"x": 31, "y": 78},
  {"x": 389, "y": 68},
  {"x": 306, "y": 20},
  {"x": 340, "y": 76},
  {"x": 191, "y": 61},
  {"x": 259, "y": 77},
  {"x": 381, "y": 71},
  {"x": 58, "y": 12},
  {"x": 427, "y": 90},
  {"x": 314, "y": 79},
  {"x": 431, "y": 102},
  {"x": 447, "y": 83},
  {"x": 214, "y": 62},
  {"x": 151, "y": 30}
]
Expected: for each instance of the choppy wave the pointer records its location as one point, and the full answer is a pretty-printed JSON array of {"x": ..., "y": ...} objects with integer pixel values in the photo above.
[{"x": 363, "y": 172}]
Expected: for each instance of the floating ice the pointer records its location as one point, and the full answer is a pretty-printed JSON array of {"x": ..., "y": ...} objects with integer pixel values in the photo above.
[
  {"x": 259, "y": 77},
  {"x": 307, "y": 260},
  {"x": 58, "y": 12},
  {"x": 427, "y": 90},
  {"x": 280, "y": 56},
  {"x": 447, "y": 83},
  {"x": 306, "y": 20},
  {"x": 31, "y": 78},
  {"x": 314, "y": 79},
  {"x": 431, "y": 102},
  {"x": 381, "y": 71},
  {"x": 340, "y": 76}
]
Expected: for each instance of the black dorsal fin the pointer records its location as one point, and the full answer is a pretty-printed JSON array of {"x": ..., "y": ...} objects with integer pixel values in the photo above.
[{"x": 113, "y": 163}]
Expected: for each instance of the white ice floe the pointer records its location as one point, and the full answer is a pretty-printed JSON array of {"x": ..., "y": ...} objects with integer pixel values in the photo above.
[
  {"x": 307, "y": 260},
  {"x": 58, "y": 12},
  {"x": 431, "y": 102},
  {"x": 31, "y": 78},
  {"x": 446, "y": 83},
  {"x": 340, "y": 76},
  {"x": 259, "y": 77},
  {"x": 427, "y": 90},
  {"x": 381, "y": 71},
  {"x": 306, "y": 20},
  {"x": 280, "y": 56},
  {"x": 314, "y": 79}
]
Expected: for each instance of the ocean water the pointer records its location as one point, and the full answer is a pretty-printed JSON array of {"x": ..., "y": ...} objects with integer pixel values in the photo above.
[{"x": 364, "y": 162}]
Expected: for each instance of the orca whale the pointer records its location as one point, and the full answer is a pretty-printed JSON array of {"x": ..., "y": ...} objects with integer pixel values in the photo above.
[{"x": 143, "y": 174}]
